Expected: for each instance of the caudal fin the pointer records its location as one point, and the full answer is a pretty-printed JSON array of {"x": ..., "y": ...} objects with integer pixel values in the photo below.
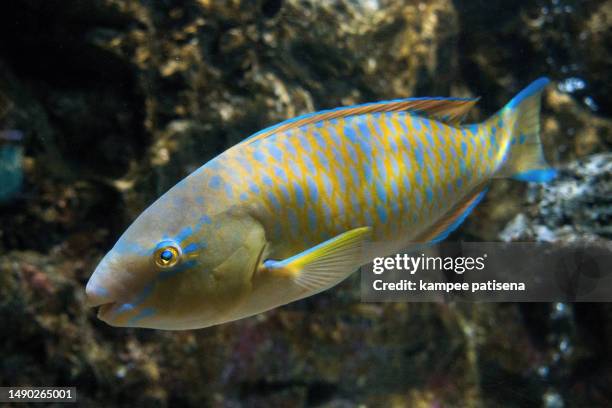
[{"x": 523, "y": 158}]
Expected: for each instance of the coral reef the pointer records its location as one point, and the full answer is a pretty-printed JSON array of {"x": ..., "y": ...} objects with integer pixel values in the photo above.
[{"x": 119, "y": 99}]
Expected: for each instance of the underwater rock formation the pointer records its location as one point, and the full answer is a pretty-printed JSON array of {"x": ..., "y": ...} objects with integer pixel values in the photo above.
[
  {"x": 119, "y": 99},
  {"x": 575, "y": 207}
]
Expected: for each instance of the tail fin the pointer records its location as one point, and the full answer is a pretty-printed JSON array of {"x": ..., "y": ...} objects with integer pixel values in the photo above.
[{"x": 522, "y": 158}]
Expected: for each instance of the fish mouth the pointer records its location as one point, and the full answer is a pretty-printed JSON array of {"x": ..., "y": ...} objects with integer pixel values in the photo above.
[
  {"x": 106, "y": 306},
  {"x": 105, "y": 309},
  {"x": 96, "y": 295},
  {"x": 117, "y": 313}
]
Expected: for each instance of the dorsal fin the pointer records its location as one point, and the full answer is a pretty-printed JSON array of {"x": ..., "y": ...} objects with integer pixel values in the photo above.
[{"x": 448, "y": 110}]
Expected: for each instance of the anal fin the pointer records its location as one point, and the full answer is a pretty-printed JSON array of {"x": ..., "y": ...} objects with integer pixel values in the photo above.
[
  {"x": 325, "y": 264},
  {"x": 452, "y": 220}
]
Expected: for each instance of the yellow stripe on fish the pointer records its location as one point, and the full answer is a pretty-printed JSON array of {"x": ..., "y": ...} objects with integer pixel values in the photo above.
[{"x": 286, "y": 213}]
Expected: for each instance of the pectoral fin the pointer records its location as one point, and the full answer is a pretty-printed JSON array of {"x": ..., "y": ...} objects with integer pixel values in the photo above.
[{"x": 324, "y": 265}]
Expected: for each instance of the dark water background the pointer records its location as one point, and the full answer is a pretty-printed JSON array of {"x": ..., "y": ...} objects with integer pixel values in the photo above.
[{"x": 117, "y": 100}]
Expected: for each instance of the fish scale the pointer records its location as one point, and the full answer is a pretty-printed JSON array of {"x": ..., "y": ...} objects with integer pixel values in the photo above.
[{"x": 322, "y": 150}]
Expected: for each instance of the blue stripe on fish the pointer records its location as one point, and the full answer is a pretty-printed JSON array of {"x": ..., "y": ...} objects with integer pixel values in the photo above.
[
  {"x": 312, "y": 188},
  {"x": 537, "y": 176},
  {"x": 288, "y": 146},
  {"x": 417, "y": 199},
  {"x": 327, "y": 212},
  {"x": 418, "y": 178},
  {"x": 416, "y": 123},
  {"x": 381, "y": 192},
  {"x": 323, "y": 159},
  {"x": 284, "y": 191},
  {"x": 532, "y": 89},
  {"x": 335, "y": 137},
  {"x": 394, "y": 166},
  {"x": 381, "y": 166},
  {"x": 355, "y": 175},
  {"x": 327, "y": 184},
  {"x": 267, "y": 180},
  {"x": 215, "y": 182},
  {"x": 350, "y": 133},
  {"x": 139, "y": 299},
  {"x": 442, "y": 155},
  {"x": 429, "y": 194},
  {"x": 295, "y": 168},
  {"x": 228, "y": 190},
  {"x": 305, "y": 143},
  {"x": 312, "y": 219},
  {"x": 146, "y": 312},
  {"x": 184, "y": 234},
  {"x": 402, "y": 118},
  {"x": 352, "y": 152},
  {"x": 299, "y": 195},
  {"x": 406, "y": 180},
  {"x": 193, "y": 247},
  {"x": 340, "y": 204},
  {"x": 382, "y": 213},
  {"x": 419, "y": 156},
  {"x": 280, "y": 173},
  {"x": 430, "y": 173},
  {"x": 338, "y": 158},
  {"x": 275, "y": 152},
  {"x": 319, "y": 139},
  {"x": 273, "y": 200},
  {"x": 394, "y": 188},
  {"x": 453, "y": 151},
  {"x": 253, "y": 187},
  {"x": 341, "y": 181},
  {"x": 126, "y": 307},
  {"x": 293, "y": 221},
  {"x": 429, "y": 137},
  {"x": 259, "y": 156},
  {"x": 309, "y": 164}
]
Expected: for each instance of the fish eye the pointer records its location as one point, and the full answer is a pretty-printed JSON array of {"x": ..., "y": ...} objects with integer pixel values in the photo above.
[{"x": 166, "y": 256}]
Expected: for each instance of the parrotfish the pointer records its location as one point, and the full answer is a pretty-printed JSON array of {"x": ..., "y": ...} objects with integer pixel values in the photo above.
[{"x": 293, "y": 209}]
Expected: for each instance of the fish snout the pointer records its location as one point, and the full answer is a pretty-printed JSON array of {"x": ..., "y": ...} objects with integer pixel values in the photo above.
[
  {"x": 96, "y": 295},
  {"x": 104, "y": 286}
]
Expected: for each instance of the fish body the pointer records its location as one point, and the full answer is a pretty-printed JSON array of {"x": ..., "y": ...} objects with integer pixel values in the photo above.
[{"x": 287, "y": 212}]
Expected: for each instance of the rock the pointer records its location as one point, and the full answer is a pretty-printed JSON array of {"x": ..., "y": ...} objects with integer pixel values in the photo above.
[
  {"x": 560, "y": 39},
  {"x": 575, "y": 207}
]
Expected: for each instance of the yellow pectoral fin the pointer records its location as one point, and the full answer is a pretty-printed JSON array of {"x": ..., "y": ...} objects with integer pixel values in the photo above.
[{"x": 324, "y": 265}]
